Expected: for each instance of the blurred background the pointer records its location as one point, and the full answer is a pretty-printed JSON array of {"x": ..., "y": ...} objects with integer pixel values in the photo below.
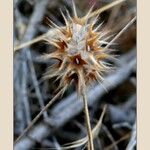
[{"x": 64, "y": 121}]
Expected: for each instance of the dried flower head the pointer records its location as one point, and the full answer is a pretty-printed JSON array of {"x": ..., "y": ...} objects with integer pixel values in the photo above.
[
  {"x": 78, "y": 49},
  {"x": 81, "y": 58}
]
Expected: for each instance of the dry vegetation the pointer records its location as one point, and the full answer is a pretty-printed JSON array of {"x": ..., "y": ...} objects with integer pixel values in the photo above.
[{"x": 64, "y": 122}]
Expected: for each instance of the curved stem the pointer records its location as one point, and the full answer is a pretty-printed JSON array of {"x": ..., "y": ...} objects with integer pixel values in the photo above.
[
  {"x": 100, "y": 10},
  {"x": 87, "y": 117},
  {"x": 39, "y": 115}
]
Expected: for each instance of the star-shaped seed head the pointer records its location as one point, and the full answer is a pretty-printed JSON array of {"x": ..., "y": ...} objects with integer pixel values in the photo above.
[{"x": 78, "y": 49}]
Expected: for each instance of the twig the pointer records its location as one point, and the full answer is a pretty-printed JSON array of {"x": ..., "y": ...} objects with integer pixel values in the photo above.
[
  {"x": 120, "y": 33},
  {"x": 39, "y": 115},
  {"x": 112, "y": 4},
  {"x": 50, "y": 34},
  {"x": 24, "y": 92},
  {"x": 132, "y": 141},
  {"x": 35, "y": 84},
  {"x": 19, "y": 111},
  {"x": 110, "y": 137},
  {"x": 118, "y": 141}
]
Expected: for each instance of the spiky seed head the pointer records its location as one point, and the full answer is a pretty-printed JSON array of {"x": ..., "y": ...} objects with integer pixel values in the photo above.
[{"x": 81, "y": 57}]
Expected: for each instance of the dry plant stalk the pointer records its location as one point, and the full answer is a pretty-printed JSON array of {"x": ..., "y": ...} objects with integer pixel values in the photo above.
[{"x": 80, "y": 59}]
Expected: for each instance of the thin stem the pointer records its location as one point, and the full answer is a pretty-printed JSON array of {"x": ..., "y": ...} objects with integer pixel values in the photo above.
[
  {"x": 51, "y": 33},
  {"x": 120, "y": 33},
  {"x": 87, "y": 117},
  {"x": 96, "y": 12},
  {"x": 39, "y": 115}
]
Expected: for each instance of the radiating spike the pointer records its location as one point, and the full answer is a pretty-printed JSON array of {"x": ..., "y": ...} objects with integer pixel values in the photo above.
[
  {"x": 106, "y": 66},
  {"x": 103, "y": 34},
  {"x": 108, "y": 37},
  {"x": 63, "y": 65},
  {"x": 106, "y": 63},
  {"x": 47, "y": 22},
  {"x": 74, "y": 9},
  {"x": 122, "y": 31},
  {"x": 59, "y": 77},
  {"x": 58, "y": 72},
  {"x": 56, "y": 26},
  {"x": 52, "y": 42},
  {"x": 105, "y": 42},
  {"x": 62, "y": 37},
  {"x": 48, "y": 75},
  {"x": 100, "y": 25},
  {"x": 101, "y": 82},
  {"x": 93, "y": 38},
  {"x": 87, "y": 15},
  {"x": 95, "y": 20},
  {"x": 65, "y": 19},
  {"x": 47, "y": 56},
  {"x": 68, "y": 14}
]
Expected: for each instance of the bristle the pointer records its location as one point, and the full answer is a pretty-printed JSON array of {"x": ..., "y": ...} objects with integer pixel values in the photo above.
[
  {"x": 54, "y": 43},
  {"x": 56, "y": 26},
  {"x": 89, "y": 12},
  {"x": 74, "y": 9},
  {"x": 65, "y": 19},
  {"x": 68, "y": 14},
  {"x": 98, "y": 27}
]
